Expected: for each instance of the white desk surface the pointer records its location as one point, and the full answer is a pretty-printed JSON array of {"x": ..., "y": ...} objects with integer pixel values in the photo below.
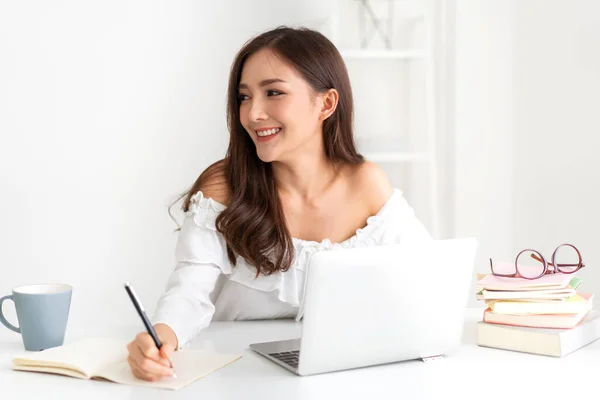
[{"x": 473, "y": 373}]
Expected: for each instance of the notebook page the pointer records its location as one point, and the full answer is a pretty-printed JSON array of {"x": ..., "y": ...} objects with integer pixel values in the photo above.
[
  {"x": 558, "y": 294},
  {"x": 189, "y": 365},
  {"x": 88, "y": 355}
]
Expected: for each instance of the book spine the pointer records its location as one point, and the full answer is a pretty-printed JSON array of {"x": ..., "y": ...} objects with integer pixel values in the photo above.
[{"x": 495, "y": 336}]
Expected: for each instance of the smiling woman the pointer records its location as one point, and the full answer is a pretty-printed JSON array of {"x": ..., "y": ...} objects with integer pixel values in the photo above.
[
  {"x": 291, "y": 183},
  {"x": 289, "y": 111}
]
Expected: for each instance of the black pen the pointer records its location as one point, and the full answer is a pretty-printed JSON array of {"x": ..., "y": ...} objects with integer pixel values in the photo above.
[{"x": 142, "y": 313}]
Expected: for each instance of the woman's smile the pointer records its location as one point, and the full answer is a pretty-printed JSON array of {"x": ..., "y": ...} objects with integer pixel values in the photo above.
[{"x": 265, "y": 134}]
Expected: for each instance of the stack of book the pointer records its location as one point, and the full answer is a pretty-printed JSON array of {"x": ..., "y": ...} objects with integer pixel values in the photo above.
[{"x": 546, "y": 316}]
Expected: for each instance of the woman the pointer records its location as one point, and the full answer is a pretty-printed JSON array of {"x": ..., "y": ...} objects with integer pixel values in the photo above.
[{"x": 291, "y": 183}]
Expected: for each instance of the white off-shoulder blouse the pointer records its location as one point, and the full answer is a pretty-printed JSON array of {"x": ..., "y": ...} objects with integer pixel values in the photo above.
[{"x": 205, "y": 287}]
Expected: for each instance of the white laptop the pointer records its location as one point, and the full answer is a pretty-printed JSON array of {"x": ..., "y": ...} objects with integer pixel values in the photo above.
[{"x": 378, "y": 305}]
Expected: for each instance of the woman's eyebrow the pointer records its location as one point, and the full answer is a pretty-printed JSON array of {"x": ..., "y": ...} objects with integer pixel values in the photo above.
[{"x": 262, "y": 83}]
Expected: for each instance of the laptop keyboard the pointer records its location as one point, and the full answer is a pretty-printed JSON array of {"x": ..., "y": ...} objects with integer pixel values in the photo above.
[{"x": 288, "y": 357}]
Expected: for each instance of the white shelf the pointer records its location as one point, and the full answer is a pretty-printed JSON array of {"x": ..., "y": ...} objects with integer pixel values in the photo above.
[
  {"x": 368, "y": 54},
  {"x": 403, "y": 147},
  {"x": 396, "y": 156}
]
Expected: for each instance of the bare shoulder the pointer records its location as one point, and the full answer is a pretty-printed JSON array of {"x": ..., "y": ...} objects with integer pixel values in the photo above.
[
  {"x": 213, "y": 183},
  {"x": 370, "y": 182}
]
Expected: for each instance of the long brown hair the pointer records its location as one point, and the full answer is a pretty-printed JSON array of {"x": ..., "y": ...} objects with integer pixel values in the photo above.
[{"x": 253, "y": 224}]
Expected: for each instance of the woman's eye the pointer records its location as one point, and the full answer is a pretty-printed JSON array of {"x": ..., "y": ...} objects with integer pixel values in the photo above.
[
  {"x": 273, "y": 93},
  {"x": 242, "y": 97}
]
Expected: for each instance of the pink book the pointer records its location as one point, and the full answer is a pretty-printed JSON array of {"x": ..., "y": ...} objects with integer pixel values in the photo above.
[{"x": 548, "y": 281}]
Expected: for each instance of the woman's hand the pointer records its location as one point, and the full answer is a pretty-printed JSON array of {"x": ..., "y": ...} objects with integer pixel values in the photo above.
[{"x": 145, "y": 360}]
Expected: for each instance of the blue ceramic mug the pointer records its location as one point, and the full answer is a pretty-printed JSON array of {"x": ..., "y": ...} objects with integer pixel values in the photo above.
[{"x": 42, "y": 312}]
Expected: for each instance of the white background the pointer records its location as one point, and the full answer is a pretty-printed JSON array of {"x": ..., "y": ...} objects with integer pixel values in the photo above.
[
  {"x": 109, "y": 110},
  {"x": 527, "y": 170}
]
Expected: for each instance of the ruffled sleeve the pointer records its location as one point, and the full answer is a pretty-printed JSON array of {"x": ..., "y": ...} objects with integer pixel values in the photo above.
[
  {"x": 186, "y": 305},
  {"x": 395, "y": 223}
]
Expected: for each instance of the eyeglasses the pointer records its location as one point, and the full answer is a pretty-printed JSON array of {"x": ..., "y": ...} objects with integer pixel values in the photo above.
[{"x": 565, "y": 261}]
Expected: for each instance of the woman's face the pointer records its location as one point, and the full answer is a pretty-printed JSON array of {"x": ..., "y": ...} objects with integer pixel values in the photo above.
[{"x": 278, "y": 108}]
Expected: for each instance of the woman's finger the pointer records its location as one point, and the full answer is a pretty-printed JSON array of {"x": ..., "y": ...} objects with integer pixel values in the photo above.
[
  {"x": 140, "y": 372},
  {"x": 143, "y": 375},
  {"x": 152, "y": 366}
]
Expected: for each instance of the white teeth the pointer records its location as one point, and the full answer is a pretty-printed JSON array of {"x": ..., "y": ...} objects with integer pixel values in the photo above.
[{"x": 268, "y": 132}]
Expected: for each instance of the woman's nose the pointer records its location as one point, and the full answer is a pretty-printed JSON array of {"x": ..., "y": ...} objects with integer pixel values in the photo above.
[{"x": 257, "y": 111}]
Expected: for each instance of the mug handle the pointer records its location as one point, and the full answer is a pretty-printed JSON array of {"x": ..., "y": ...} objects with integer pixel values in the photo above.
[{"x": 3, "y": 320}]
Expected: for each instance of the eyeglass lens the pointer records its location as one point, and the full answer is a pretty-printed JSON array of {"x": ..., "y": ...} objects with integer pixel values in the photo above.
[
  {"x": 528, "y": 266},
  {"x": 567, "y": 259}
]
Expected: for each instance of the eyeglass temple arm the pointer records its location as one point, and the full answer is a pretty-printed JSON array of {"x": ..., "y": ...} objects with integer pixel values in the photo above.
[{"x": 498, "y": 274}]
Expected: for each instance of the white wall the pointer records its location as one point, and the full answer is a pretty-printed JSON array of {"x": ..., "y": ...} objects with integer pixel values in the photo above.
[
  {"x": 557, "y": 136},
  {"x": 108, "y": 110},
  {"x": 484, "y": 125},
  {"x": 527, "y": 171}
]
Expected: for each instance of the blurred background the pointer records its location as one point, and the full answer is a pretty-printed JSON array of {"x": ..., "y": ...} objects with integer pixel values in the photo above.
[{"x": 483, "y": 112}]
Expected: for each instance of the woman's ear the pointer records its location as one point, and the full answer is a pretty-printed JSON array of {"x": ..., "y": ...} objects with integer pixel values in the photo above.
[{"x": 329, "y": 101}]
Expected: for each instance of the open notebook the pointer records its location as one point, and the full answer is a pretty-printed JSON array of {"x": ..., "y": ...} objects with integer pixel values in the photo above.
[{"x": 106, "y": 359}]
